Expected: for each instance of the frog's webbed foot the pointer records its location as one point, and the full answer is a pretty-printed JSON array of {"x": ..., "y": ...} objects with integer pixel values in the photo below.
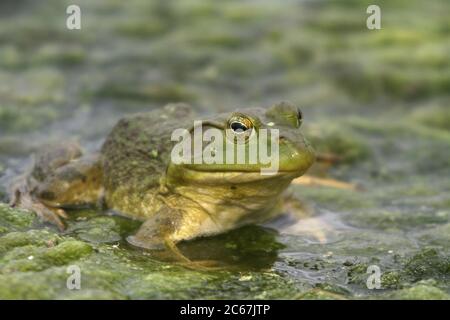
[
  {"x": 155, "y": 234},
  {"x": 51, "y": 215},
  {"x": 203, "y": 265},
  {"x": 155, "y": 231},
  {"x": 21, "y": 197}
]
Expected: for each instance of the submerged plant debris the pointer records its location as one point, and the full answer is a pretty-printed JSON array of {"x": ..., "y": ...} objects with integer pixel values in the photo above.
[{"x": 380, "y": 99}]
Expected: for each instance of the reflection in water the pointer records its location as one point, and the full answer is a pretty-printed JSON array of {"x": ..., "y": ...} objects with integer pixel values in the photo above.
[{"x": 247, "y": 248}]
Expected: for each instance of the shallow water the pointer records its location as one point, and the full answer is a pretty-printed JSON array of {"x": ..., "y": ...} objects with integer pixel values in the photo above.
[{"x": 379, "y": 99}]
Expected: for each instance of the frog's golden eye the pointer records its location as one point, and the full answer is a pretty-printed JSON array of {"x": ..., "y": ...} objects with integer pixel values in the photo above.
[{"x": 240, "y": 126}]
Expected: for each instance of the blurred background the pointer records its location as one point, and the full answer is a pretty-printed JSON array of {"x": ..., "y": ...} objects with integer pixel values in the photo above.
[
  {"x": 318, "y": 54},
  {"x": 379, "y": 99}
]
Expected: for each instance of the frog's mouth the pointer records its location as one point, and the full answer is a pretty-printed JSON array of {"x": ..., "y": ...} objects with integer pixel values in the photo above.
[
  {"x": 205, "y": 175},
  {"x": 294, "y": 165},
  {"x": 292, "y": 158}
]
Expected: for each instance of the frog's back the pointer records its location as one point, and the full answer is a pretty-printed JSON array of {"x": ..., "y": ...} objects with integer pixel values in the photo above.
[{"x": 135, "y": 156}]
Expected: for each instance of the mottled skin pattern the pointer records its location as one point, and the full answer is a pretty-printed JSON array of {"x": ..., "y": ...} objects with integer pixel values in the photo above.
[
  {"x": 133, "y": 176},
  {"x": 135, "y": 157}
]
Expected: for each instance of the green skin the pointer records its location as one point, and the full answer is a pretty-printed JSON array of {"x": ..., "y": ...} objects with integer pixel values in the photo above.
[{"x": 133, "y": 176}]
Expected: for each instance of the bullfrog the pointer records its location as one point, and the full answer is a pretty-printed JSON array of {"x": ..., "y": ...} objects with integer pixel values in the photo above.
[{"x": 133, "y": 174}]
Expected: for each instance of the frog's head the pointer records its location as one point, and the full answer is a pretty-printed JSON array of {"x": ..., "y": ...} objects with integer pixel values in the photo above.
[{"x": 213, "y": 167}]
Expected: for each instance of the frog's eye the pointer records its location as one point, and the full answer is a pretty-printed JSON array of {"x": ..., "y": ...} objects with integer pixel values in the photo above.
[{"x": 240, "y": 127}]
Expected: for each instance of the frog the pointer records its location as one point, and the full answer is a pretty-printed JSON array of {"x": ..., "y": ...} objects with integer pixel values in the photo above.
[{"x": 133, "y": 174}]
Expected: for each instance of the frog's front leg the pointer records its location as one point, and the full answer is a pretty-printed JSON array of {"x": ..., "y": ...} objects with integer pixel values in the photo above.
[
  {"x": 170, "y": 225},
  {"x": 61, "y": 177},
  {"x": 157, "y": 231}
]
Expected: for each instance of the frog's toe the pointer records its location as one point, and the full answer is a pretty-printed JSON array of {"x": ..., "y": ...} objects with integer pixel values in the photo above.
[
  {"x": 61, "y": 213},
  {"x": 50, "y": 215}
]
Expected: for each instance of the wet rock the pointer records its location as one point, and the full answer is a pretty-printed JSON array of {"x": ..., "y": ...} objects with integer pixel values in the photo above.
[{"x": 96, "y": 230}]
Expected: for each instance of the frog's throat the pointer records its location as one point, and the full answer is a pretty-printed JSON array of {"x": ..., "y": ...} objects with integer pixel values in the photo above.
[
  {"x": 244, "y": 189},
  {"x": 228, "y": 204}
]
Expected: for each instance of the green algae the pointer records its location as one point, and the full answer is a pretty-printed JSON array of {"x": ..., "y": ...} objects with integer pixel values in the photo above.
[
  {"x": 118, "y": 272},
  {"x": 28, "y": 238},
  {"x": 428, "y": 264},
  {"x": 339, "y": 141},
  {"x": 162, "y": 93},
  {"x": 437, "y": 116},
  {"x": 34, "y": 258},
  {"x": 320, "y": 295},
  {"x": 143, "y": 29},
  {"x": 67, "y": 56},
  {"x": 13, "y": 219},
  {"x": 96, "y": 230},
  {"x": 421, "y": 291},
  {"x": 14, "y": 119},
  {"x": 397, "y": 220}
]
